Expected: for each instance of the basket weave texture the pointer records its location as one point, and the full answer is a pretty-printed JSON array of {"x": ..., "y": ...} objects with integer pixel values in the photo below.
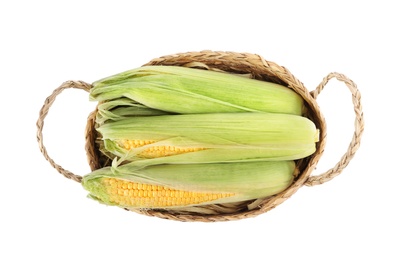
[{"x": 239, "y": 63}]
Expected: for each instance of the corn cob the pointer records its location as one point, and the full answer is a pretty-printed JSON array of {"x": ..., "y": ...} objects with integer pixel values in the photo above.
[
  {"x": 210, "y": 138},
  {"x": 185, "y": 90},
  {"x": 166, "y": 186}
]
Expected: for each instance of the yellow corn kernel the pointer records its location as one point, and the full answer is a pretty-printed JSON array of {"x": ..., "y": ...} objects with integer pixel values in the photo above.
[
  {"x": 155, "y": 151},
  {"x": 144, "y": 195}
]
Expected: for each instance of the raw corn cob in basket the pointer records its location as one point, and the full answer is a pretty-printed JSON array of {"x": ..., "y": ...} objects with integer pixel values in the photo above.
[{"x": 197, "y": 137}]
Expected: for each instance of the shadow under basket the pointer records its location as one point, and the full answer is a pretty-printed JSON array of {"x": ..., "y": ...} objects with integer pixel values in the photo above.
[{"x": 238, "y": 63}]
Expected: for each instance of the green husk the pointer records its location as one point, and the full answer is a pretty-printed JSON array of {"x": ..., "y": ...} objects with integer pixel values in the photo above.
[
  {"x": 121, "y": 108},
  {"x": 186, "y": 90}
]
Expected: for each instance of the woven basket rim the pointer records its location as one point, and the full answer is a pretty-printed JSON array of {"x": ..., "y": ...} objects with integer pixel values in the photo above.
[{"x": 260, "y": 69}]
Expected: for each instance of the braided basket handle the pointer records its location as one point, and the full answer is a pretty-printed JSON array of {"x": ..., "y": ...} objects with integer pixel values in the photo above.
[
  {"x": 359, "y": 127},
  {"x": 40, "y": 122}
]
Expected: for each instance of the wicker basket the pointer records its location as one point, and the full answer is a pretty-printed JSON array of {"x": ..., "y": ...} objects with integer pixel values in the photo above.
[{"x": 258, "y": 68}]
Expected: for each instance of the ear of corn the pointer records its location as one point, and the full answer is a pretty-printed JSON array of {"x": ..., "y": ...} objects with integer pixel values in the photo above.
[
  {"x": 213, "y": 137},
  {"x": 164, "y": 186},
  {"x": 184, "y": 90}
]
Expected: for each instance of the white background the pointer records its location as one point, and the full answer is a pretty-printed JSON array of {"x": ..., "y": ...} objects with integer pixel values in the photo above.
[{"x": 44, "y": 43}]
